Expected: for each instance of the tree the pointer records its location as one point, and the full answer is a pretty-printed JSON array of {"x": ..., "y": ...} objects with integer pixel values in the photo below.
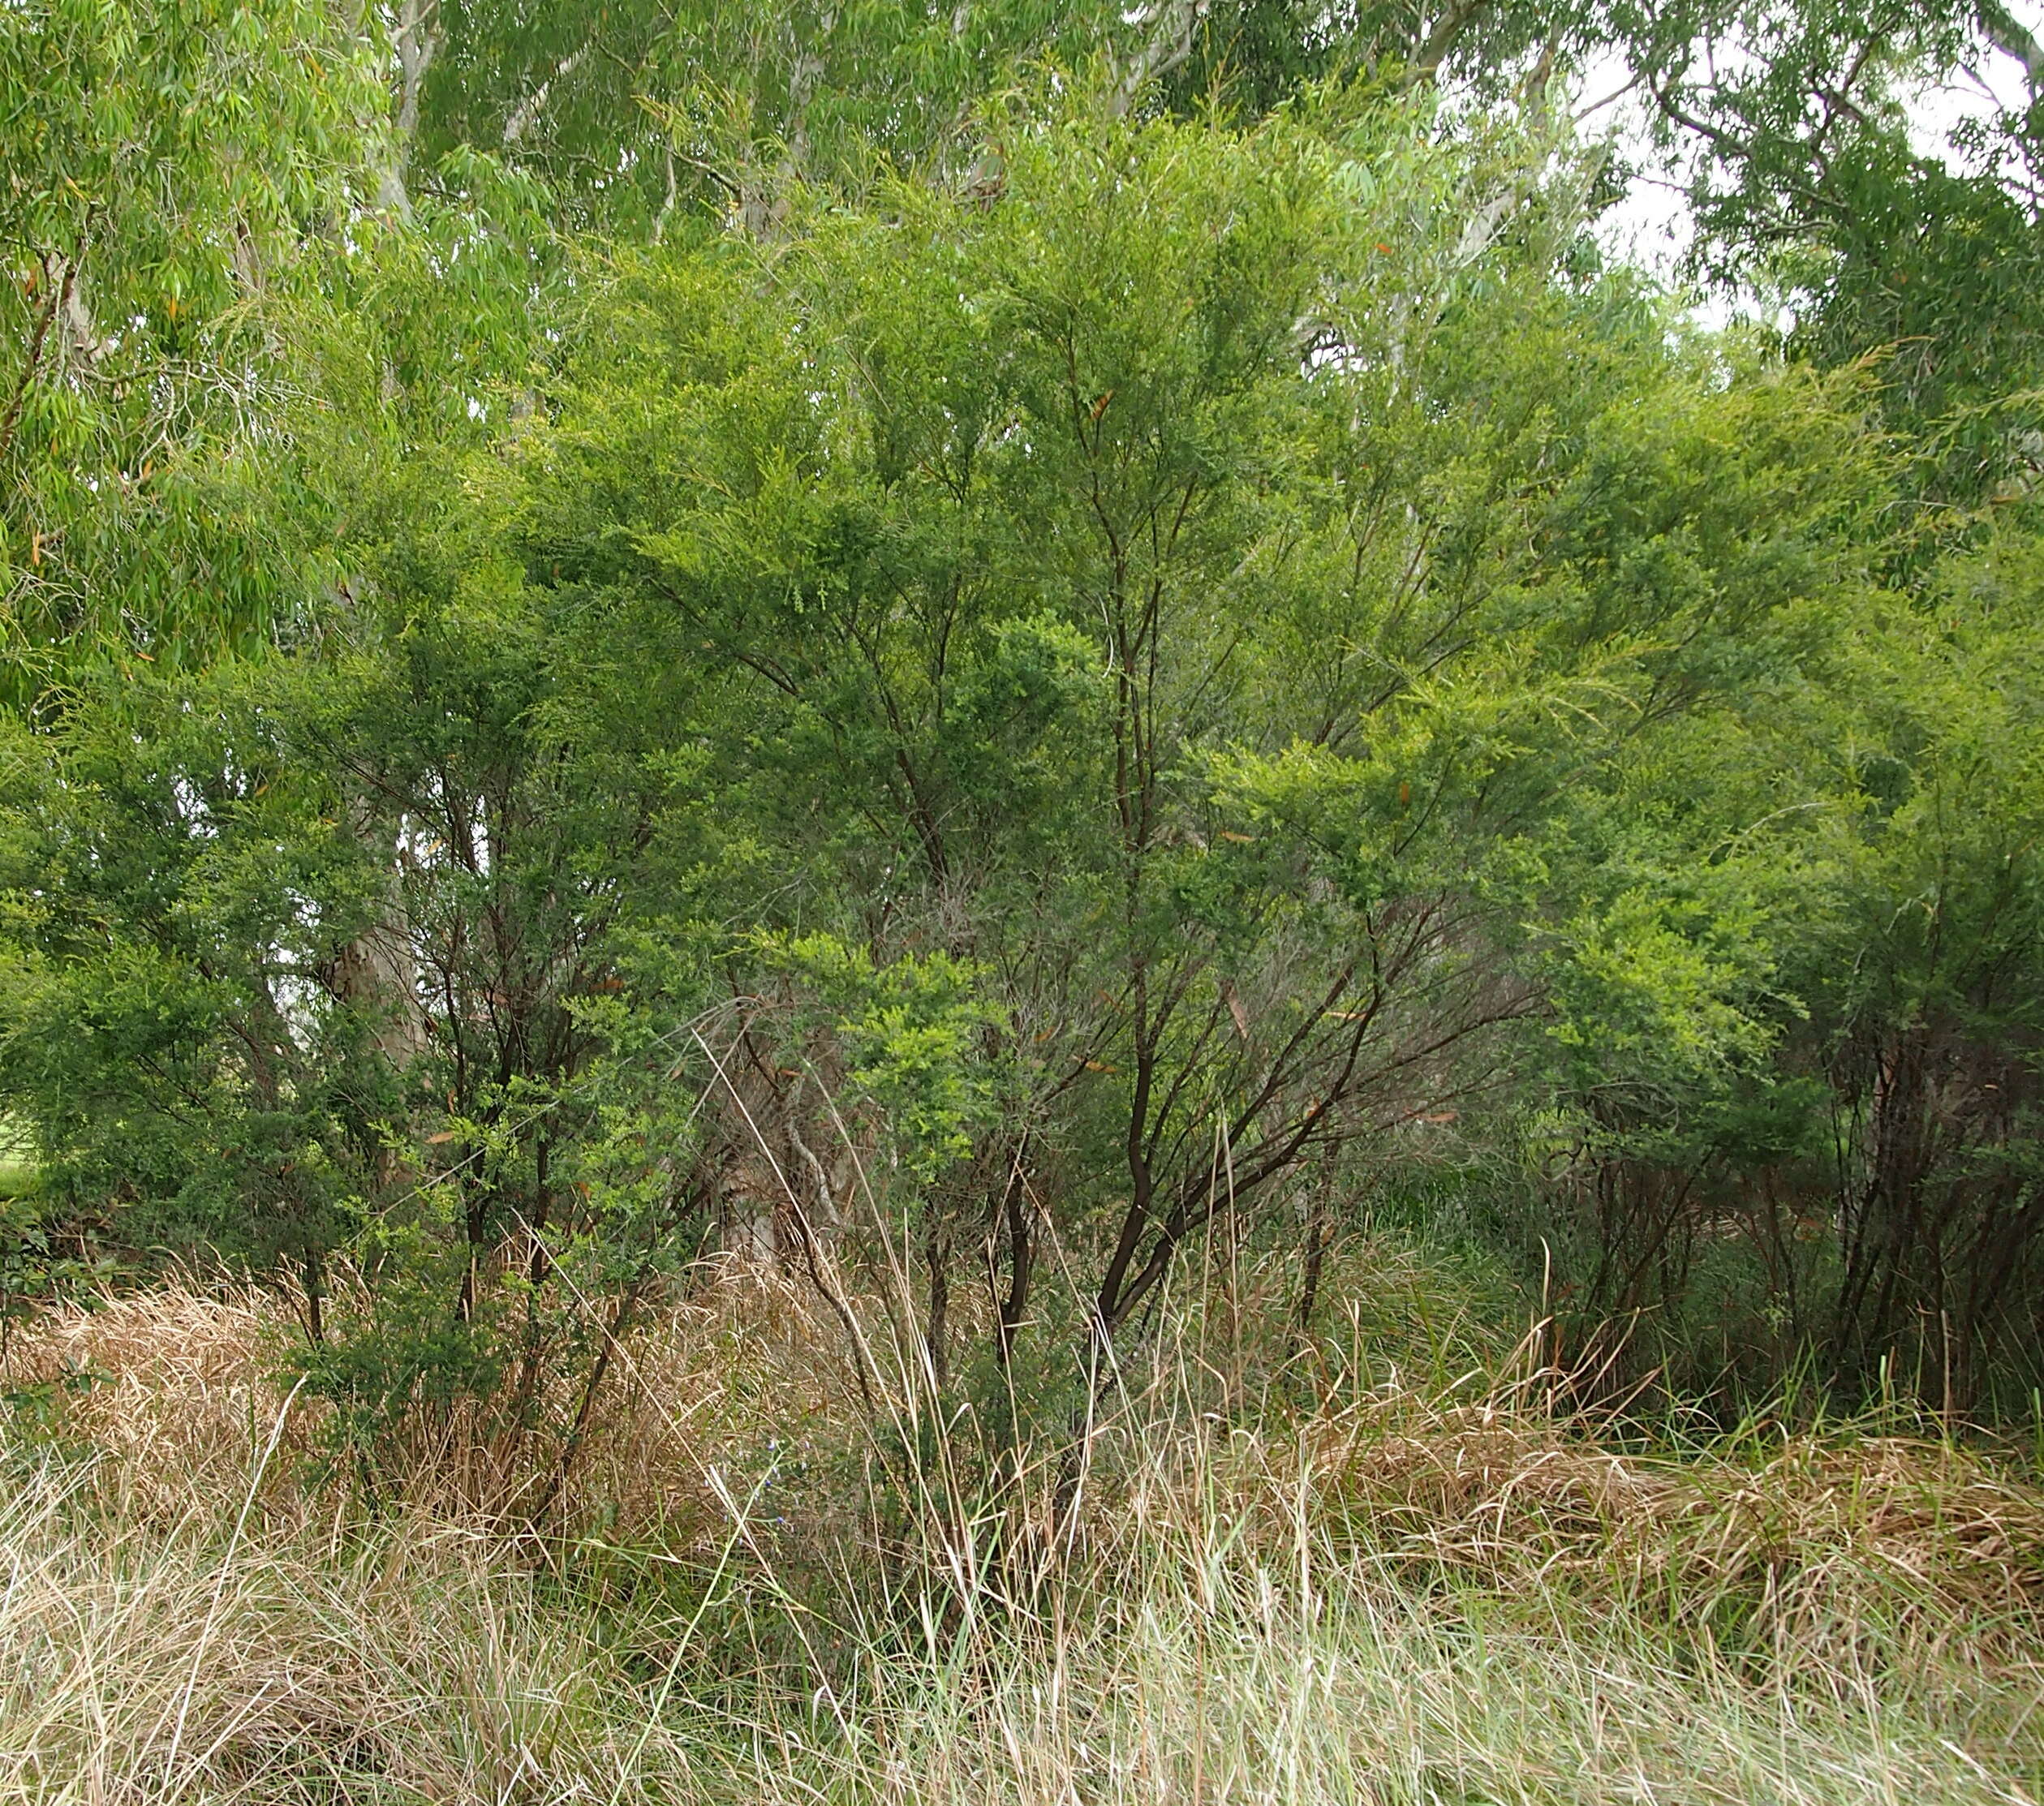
[
  {"x": 1143, "y": 591},
  {"x": 166, "y": 164},
  {"x": 1056, "y": 676}
]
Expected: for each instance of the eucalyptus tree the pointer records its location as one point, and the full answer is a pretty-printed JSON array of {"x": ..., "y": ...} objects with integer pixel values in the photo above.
[
  {"x": 644, "y": 116},
  {"x": 1793, "y": 129},
  {"x": 166, "y": 165},
  {"x": 241, "y": 386},
  {"x": 1794, "y": 125}
]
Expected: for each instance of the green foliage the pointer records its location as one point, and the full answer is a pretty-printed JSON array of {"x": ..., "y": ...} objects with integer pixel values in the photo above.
[
  {"x": 911, "y": 1032},
  {"x": 166, "y": 165},
  {"x": 980, "y": 648},
  {"x": 1793, "y": 122}
]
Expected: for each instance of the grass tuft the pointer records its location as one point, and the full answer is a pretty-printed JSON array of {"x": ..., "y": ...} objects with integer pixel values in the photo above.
[{"x": 1447, "y": 1593}]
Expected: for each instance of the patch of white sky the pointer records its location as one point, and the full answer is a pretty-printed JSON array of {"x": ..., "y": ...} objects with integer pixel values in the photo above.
[{"x": 1651, "y": 227}]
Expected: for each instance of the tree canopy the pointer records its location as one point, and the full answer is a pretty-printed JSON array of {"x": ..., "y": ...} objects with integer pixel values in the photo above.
[{"x": 998, "y": 646}]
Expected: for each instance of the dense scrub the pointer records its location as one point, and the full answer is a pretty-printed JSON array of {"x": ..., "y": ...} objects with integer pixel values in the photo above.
[
  {"x": 907, "y": 902},
  {"x": 1001, "y": 742}
]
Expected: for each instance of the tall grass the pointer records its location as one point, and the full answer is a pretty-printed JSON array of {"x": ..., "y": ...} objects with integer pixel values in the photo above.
[
  {"x": 1440, "y": 1589},
  {"x": 17, "y": 1169}
]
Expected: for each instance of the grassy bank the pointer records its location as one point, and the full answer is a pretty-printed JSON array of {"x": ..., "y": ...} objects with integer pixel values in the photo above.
[{"x": 1441, "y": 1593}]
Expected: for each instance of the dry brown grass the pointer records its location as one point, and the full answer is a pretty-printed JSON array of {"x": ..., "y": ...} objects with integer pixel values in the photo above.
[
  {"x": 1500, "y": 1487},
  {"x": 1404, "y": 1594},
  {"x": 1798, "y": 1542},
  {"x": 170, "y": 1389}
]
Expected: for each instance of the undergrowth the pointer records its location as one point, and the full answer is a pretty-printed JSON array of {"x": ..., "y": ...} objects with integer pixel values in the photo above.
[{"x": 1395, "y": 1585}]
